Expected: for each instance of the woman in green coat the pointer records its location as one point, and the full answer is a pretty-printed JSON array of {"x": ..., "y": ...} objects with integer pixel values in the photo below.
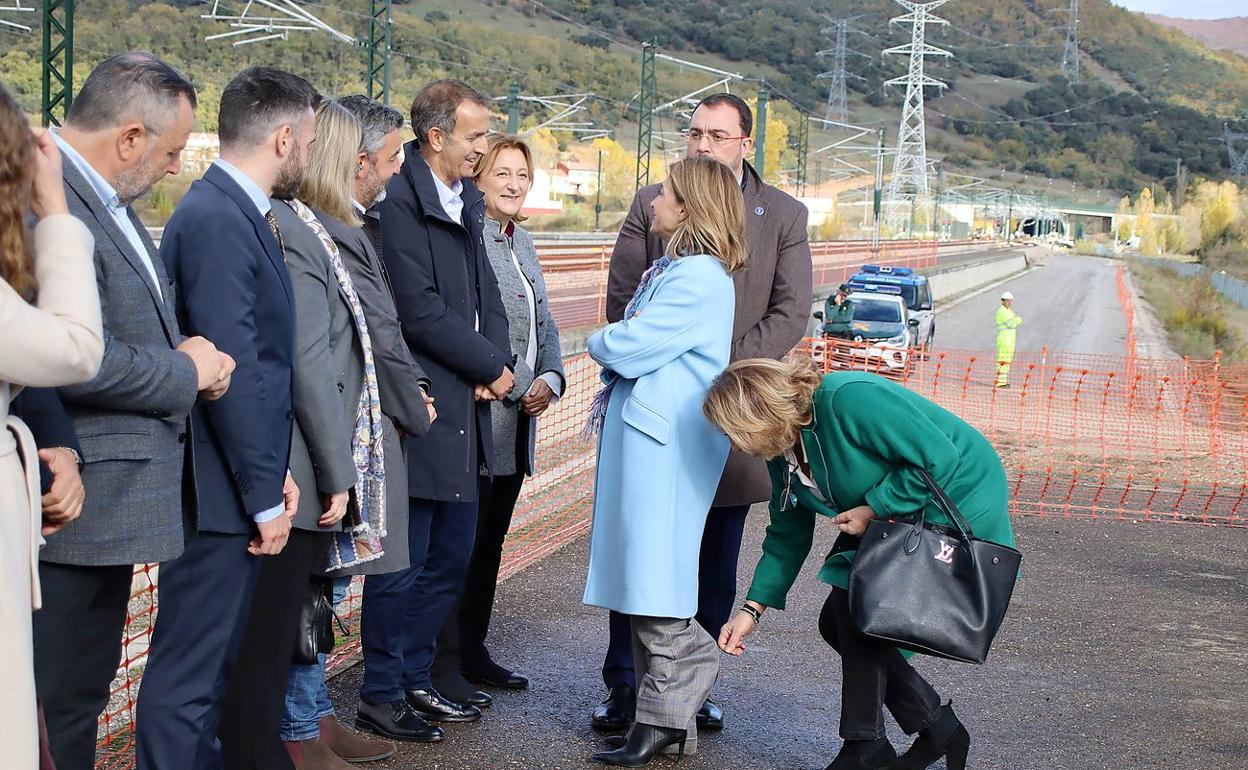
[{"x": 848, "y": 445}]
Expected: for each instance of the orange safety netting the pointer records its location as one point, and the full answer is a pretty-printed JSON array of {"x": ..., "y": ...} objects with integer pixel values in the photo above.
[
  {"x": 1080, "y": 435},
  {"x": 576, "y": 275}
]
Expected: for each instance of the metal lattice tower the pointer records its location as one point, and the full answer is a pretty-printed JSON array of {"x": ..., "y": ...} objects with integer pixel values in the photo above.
[
  {"x": 910, "y": 163},
  {"x": 1239, "y": 157},
  {"x": 803, "y": 150},
  {"x": 378, "y": 44},
  {"x": 645, "y": 113},
  {"x": 58, "y": 60},
  {"x": 838, "y": 104},
  {"x": 1070, "y": 54}
]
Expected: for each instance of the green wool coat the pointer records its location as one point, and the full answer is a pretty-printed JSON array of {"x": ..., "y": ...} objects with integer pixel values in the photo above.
[{"x": 865, "y": 444}]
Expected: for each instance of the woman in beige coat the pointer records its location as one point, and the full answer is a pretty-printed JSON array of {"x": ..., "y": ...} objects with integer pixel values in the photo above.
[{"x": 50, "y": 335}]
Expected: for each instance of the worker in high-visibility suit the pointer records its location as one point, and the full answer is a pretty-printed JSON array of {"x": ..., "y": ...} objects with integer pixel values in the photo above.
[{"x": 1007, "y": 334}]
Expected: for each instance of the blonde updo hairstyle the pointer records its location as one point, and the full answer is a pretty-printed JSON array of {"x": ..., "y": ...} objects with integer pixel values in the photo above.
[{"x": 762, "y": 404}]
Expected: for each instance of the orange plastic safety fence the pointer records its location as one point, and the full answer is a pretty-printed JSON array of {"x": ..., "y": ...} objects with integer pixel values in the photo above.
[
  {"x": 576, "y": 276},
  {"x": 554, "y": 508},
  {"x": 1091, "y": 435},
  {"x": 1080, "y": 435}
]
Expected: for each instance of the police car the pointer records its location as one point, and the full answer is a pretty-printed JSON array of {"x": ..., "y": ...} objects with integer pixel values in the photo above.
[
  {"x": 913, "y": 288},
  {"x": 882, "y": 328}
]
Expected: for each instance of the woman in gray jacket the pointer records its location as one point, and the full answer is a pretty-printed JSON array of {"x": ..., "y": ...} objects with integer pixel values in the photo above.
[{"x": 504, "y": 174}]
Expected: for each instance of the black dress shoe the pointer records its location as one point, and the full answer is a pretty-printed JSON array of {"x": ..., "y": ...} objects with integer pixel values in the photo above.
[
  {"x": 864, "y": 755},
  {"x": 644, "y": 743},
  {"x": 432, "y": 706},
  {"x": 618, "y": 711},
  {"x": 397, "y": 722},
  {"x": 710, "y": 716},
  {"x": 493, "y": 675},
  {"x": 457, "y": 690}
]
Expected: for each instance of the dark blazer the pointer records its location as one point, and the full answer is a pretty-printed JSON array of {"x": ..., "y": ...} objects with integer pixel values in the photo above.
[
  {"x": 328, "y": 371},
  {"x": 233, "y": 288},
  {"x": 399, "y": 378},
  {"x": 441, "y": 280},
  {"x": 49, "y": 423},
  {"x": 773, "y": 295},
  {"x": 132, "y": 417}
]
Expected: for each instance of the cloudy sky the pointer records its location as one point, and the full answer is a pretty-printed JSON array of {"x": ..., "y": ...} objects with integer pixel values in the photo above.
[{"x": 1189, "y": 9}]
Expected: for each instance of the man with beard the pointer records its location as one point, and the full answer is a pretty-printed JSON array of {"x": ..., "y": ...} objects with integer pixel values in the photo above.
[
  {"x": 223, "y": 250},
  {"x": 125, "y": 131}
]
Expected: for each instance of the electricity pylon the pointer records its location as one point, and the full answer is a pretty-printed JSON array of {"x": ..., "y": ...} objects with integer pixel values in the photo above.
[{"x": 910, "y": 163}]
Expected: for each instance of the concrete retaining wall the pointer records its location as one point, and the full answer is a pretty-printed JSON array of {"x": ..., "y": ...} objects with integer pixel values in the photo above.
[{"x": 972, "y": 275}]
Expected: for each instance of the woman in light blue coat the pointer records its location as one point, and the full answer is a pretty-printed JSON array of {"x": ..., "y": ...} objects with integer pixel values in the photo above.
[{"x": 659, "y": 459}]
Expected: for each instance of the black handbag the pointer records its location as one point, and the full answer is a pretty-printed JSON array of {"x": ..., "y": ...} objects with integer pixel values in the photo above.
[
  {"x": 316, "y": 631},
  {"x": 929, "y": 588}
]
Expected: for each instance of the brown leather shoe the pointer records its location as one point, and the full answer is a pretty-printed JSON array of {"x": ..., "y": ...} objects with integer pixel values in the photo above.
[
  {"x": 353, "y": 747},
  {"x": 313, "y": 754}
]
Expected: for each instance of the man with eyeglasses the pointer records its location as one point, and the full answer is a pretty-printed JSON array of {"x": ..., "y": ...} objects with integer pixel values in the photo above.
[{"x": 773, "y": 299}]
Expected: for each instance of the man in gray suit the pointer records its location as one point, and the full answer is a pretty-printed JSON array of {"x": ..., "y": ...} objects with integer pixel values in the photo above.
[
  {"x": 773, "y": 302},
  {"x": 125, "y": 131}
]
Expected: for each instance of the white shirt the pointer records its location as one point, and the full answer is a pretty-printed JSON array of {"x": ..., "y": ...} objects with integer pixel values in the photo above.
[
  {"x": 452, "y": 203},
  {"x": 112, "y": 204},
  {"x": 263, "y": 205}
]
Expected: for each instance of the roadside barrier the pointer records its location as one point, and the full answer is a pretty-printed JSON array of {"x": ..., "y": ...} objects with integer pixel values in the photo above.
[{"x": 1080, "y": 435}]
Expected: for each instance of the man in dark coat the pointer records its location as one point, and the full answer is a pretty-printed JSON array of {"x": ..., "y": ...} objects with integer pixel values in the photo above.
[
  {"x": 773, "y": 302},
  {"x": 455, "y": 325}
]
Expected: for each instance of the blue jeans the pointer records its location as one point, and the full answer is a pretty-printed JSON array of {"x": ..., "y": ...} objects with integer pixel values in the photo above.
[{"x": 307, "y": 697}]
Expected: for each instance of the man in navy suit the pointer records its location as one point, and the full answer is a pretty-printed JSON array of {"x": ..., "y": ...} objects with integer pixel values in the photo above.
[{"x": 223, "y": 251}]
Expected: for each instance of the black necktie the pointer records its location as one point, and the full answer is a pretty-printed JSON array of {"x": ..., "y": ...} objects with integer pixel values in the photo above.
[{"x": 271, "y": 218}]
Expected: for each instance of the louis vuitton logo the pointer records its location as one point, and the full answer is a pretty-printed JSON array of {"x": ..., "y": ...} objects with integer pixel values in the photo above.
[{"x": 946, "y": 552}]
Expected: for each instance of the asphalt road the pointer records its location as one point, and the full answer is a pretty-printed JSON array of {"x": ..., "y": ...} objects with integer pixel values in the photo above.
[
  {"x": 1068, "y": 303},
  {"x": 1123, "y": 649}
]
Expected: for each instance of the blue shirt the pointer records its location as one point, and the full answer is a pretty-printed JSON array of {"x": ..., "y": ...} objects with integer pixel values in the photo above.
[
  {"x": 112, "y": 204},
  {"x": 261, "y": 201},
  {"x": 254, "y": 193}
]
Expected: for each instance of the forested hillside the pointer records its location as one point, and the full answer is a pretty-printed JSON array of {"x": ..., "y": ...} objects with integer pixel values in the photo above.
[{"x": 1148, "y": 95}]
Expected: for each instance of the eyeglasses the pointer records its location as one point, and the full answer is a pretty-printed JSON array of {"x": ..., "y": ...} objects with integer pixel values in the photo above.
[{"x": 695, "y": 136}]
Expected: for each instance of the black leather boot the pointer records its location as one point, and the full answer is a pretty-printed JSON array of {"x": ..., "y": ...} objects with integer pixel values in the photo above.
[
  {"x": 945, "y": 737},
  {"x": 645, "y": 742},
  {"x": 864, "y": 755}
]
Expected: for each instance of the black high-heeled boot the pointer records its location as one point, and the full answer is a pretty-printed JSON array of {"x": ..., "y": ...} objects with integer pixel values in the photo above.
[
  {"x": 864, "y": 755},
  {"x": 644, "y": 743},
  {"x": 945, "y": 737}
]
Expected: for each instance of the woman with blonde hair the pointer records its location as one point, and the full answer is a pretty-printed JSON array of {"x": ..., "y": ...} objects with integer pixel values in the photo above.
[
  {"x": 851, "y": 446},
  {"x": 659, "y": 458},
  {"x": 52, "y": 335},
  {"x": 337, "y": 458}
]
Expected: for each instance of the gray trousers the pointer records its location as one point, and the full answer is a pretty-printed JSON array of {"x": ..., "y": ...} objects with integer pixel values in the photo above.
[{"x": 677, "y": 663}]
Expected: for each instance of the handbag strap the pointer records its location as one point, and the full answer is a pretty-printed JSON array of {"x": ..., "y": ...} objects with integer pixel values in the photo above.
[{"x": 946, "y": 505}]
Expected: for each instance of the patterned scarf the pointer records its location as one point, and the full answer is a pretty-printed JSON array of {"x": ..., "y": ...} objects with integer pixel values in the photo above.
[
  {"x": 365, "y": 526},
  {"x": 598, "y": 407}
]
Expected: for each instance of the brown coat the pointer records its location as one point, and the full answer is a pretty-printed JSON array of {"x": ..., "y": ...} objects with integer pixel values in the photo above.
[{"x": 773, "y": 296}]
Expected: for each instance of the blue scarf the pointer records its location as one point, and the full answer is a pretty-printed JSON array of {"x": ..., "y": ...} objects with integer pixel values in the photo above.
[{"x": 598, "y": 407}]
